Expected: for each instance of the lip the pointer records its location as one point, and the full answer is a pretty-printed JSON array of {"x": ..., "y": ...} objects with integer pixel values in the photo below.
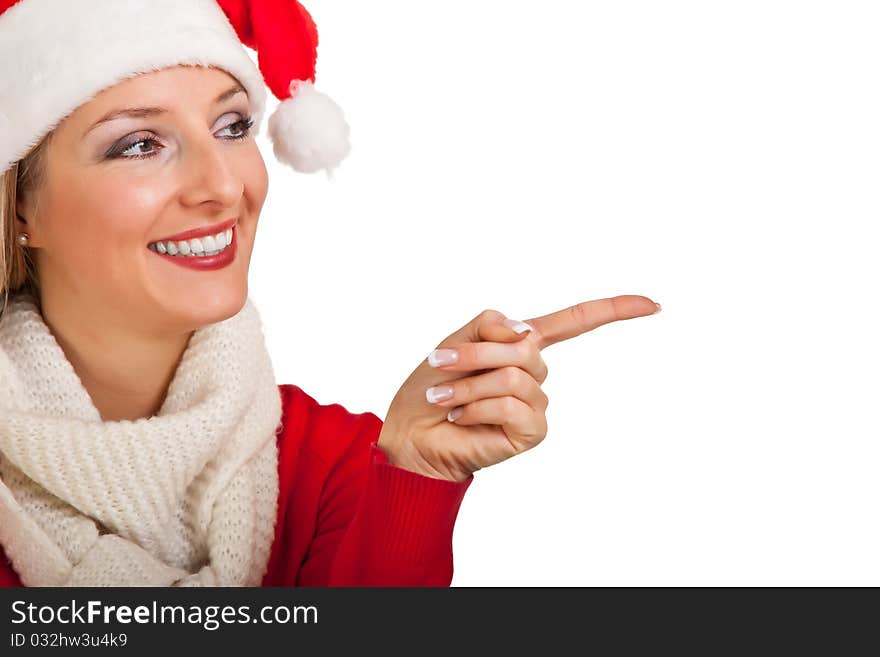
[
  {"x": 202, "y": 263},
  {"x": 199, "y": 232}
]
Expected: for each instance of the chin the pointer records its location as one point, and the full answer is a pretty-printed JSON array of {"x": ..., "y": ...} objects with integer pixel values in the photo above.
[
  {"x": 211, "y": 309},
  {"x": 225, "y": 306}
]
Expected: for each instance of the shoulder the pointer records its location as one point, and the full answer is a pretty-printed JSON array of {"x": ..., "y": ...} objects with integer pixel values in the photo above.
[{"x": 325, "y": 430}]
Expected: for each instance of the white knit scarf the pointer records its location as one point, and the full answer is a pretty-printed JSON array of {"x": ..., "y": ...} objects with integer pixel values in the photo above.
[{"x": 184, "y": 498}]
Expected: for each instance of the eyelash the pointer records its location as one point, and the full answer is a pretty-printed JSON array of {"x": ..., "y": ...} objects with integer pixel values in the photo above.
[{"x": 245, "y": 126}]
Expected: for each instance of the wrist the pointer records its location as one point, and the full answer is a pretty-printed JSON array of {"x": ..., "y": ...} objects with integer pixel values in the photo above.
[{"x": 408, "y": 459}]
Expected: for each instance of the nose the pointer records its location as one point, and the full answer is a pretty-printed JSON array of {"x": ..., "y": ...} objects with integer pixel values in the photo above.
[{"x": 209, "y": 173}]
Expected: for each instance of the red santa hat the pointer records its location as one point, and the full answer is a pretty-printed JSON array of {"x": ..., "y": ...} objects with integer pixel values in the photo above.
[{"x": 56, "y": 55}]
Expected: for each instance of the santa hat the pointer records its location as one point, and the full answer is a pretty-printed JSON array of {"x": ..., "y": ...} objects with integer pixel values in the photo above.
[{"x": 56, "y": 55}]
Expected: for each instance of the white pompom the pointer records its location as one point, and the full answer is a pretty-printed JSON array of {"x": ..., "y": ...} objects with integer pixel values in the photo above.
[{"x": 308, "y": 130}]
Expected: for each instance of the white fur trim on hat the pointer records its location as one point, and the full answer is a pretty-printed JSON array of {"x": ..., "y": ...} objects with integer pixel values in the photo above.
[{"x": 56, "y": 55}]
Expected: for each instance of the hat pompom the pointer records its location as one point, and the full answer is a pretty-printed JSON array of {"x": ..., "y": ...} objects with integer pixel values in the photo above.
[{"x": 308, "y": 130}]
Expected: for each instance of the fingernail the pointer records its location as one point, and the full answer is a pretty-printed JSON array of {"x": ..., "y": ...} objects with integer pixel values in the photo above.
[
  {"x": 659, "y": 307},
  {"x": 438, "y": 393},
  {"x": 516, "y": 325},
  {"x": 440, "y": 357},
  {"x": 454, "y": 414}
]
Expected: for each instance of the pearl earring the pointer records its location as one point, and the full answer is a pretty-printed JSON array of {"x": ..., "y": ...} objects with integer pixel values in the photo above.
[{"x": 23, "y": 239}]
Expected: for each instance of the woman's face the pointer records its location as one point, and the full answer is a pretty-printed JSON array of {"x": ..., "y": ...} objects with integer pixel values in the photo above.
[{"x": 114, "y": 188}]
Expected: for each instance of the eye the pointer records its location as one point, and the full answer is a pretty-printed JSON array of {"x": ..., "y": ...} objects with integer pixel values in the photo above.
[
  {"x": 136, "y": 156},
  {"x": 242, "y": 127}
]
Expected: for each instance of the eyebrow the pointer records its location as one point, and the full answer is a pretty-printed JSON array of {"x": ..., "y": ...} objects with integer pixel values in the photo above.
[{"x": 141, "y": 112}]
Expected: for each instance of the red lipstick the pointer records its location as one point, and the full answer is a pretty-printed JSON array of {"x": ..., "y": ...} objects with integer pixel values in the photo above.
[
  {"x": 218, "y": 261},
  {"x": 199, "y": 232}
]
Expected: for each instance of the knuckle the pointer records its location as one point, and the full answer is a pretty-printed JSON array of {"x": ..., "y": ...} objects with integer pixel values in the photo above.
[
  {"x": 545, "y": 371},
  {"x": 524, "y": 350},
  {"x": 509, "y": 406},
  {"x": 463, "y": 390},
  {"x": 490, "y": 315},
  {"x": 533, "y": 350},
  {"x": 510, "y": 377},
  {"x": 579, "y": 315}
]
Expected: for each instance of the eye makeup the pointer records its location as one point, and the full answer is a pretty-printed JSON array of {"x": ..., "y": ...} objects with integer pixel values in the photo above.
[{"x": 119, "y": 149}]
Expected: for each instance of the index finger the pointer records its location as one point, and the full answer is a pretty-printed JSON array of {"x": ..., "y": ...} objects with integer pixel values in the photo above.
[{"x": 580, "y": 318}]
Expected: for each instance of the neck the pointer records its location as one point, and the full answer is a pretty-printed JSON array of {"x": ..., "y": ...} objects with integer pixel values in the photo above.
[{"x": 126, "y": 373}]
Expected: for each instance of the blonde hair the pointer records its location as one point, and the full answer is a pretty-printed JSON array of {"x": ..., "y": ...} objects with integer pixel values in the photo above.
[{"x": 17, "y": 270}]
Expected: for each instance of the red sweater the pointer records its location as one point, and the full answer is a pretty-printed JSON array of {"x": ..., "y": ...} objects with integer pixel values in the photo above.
[{"x": 346, "y": 517}]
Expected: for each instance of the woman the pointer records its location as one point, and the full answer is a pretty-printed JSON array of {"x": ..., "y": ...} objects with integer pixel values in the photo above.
[{"x": 143, "y": 438}]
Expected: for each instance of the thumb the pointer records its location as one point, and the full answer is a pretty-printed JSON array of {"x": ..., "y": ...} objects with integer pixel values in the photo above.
[
  {"x": 490, "y": 326},
  {"x": 495, "y": 326},
  {"x": 506, "y": 330}
]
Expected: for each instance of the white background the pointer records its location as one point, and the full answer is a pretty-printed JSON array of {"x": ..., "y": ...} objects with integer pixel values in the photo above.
[{"x": 721, "y": 158}]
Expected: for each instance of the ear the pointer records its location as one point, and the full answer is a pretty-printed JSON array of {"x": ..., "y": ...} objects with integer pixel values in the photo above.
[
  {"x": 22, "y": 208},
  {"x": 25, "y": 217}
]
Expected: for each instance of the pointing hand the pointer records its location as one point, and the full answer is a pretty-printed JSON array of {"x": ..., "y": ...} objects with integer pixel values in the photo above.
[{"x": 450, "y": 420}]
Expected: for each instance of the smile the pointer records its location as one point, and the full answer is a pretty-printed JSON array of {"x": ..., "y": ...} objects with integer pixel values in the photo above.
[
  {"x": 197, "y": 247},
  {"x": 203, "y": 253}
]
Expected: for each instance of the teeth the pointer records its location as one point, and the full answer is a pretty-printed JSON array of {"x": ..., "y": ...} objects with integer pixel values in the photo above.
[{"x": 204, "y": 246}]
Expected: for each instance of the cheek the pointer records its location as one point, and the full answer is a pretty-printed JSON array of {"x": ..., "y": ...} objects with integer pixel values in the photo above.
[
  {"x": 102, "y": 216},
  {"x": 256, "y": 180}
]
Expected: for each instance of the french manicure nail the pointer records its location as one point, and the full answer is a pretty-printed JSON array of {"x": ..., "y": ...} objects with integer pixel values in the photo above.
[
  {"x": 516, "y": 325},
  {"x": 438, "y": 393},
  {"x": 440, "y": 357},
  {"x": 454, "y": 414},
  {"x": 659, "y": 307}
]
